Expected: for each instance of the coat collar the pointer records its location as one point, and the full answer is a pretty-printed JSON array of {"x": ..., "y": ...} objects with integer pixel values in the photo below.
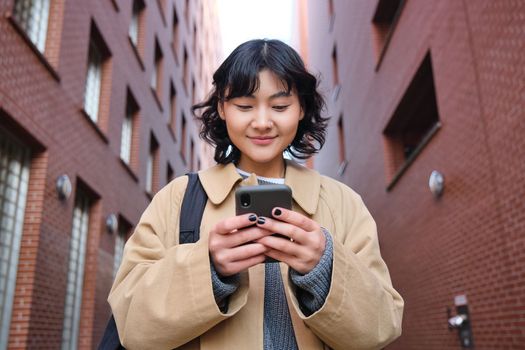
[{"x": 218, "y": 181}]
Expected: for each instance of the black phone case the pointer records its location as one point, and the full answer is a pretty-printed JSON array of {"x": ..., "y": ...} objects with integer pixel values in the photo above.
[{"x": 263, "y": 199}]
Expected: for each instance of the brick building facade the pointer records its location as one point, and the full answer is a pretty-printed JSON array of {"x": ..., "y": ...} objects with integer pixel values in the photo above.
[
  {"x": 99, "y": 91},
  {"x": 416, "y": 86}
]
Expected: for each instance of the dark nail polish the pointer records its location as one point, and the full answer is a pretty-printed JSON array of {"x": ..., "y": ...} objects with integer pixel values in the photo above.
[
  {"x": 261, "y": 221},
  {"x": 252, "y": 217},
  {"x": 277, "y": 212}
]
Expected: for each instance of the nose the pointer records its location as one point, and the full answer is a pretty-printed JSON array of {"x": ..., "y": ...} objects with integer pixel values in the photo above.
[{"x": 262, "y": 119}]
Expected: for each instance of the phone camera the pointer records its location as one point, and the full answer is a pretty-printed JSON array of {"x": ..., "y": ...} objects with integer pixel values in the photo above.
[{"x": 245, "y": 200}]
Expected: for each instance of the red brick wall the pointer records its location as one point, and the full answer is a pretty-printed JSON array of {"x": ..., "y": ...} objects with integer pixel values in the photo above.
[
  {"x": 42, "y": 95},
  {"x": 470, "y": 241}
]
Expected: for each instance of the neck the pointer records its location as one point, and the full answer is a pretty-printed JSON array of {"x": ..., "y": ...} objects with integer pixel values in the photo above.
[{"x": 275, "y": 169}]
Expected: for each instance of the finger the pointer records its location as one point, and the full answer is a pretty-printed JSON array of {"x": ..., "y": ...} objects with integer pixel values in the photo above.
[
  {"x": 225, "y": 260},
  {"x": 294, "y": 233},
  {"x": 294, "y": 218},
  {"x": 295, "y": 263},
  {"x": 246, "y": 251},
  {"x": 234, "y": 223},
  {"x": 242, "y": 265},
  {"x": 280, "y": 256},
  {"x": 245, "y": 235},
  {"x": 282, "y": 245}
]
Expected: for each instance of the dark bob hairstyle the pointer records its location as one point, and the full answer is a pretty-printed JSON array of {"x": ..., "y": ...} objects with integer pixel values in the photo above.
[{"x": 238, "y": 76}]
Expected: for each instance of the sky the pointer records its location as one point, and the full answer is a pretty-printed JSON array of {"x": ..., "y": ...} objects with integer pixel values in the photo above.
[{"x": 242, "y": 20}]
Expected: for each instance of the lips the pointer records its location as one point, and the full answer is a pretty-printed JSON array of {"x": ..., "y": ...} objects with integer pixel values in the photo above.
[{"x": 262, "y": 140}]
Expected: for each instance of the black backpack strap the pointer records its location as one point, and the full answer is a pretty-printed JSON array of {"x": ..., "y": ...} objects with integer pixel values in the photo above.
[
  {"x": 110, "y": 339},
  {"x": 193, "y": 204}
]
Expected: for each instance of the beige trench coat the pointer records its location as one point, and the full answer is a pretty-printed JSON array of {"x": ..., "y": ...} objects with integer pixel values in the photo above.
[{"x": 162, "y": 297}]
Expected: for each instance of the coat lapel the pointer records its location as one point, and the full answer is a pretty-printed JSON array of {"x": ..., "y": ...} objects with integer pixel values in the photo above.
[{"x": 305, "y": 183}]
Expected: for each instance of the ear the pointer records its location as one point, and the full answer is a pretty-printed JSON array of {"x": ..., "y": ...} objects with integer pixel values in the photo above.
[
  {"x": 302, "y": 115},
  {"x": 220, "y": 109}
]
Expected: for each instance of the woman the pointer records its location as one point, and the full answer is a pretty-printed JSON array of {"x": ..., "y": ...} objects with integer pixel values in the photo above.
[{"x": 330, "y": 288}]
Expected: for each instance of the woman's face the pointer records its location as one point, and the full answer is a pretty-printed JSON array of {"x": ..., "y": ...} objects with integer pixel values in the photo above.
[{"x": 262, "y": 125}]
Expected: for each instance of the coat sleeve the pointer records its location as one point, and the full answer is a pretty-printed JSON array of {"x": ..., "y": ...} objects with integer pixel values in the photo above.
[
  {"x": 162, "y": 296},
  {"x": 362, "y": 309}
]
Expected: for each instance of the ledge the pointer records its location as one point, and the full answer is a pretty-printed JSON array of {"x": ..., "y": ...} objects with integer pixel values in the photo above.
[
  {"x": 156, "y": 98},
  {"x": 115, "y": 5},
  {"x": 161, "y": 10},
  {"x": 413, "y": 156},
  {"x": 129, "y": 170},
  {"x": 175, "y": 55},
  {"x": 33, "y": 47},
  {"x": 137, "y": 54},
  {"x": 183, "y": 158},
  {"x": 172, "y": 132},
  {"x": 95, "y": 126}
]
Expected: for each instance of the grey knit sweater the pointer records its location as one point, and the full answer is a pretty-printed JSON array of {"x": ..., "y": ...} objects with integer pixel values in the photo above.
[{"x": 312, "y": 290}]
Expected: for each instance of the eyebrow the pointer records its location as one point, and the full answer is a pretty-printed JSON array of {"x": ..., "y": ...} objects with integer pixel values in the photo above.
[{"x": 276, "y": 95}]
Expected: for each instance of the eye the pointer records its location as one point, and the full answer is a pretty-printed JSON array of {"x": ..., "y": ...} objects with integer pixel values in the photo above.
[
  {"x": 243, "y": 107},
  {"x": 281, "y": 108}
]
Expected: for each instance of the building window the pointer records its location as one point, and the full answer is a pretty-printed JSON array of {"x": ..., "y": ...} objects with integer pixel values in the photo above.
[
  {"x": 342, "y": 152},
  {"x": 193, "y": 91},
  {"x": 201, "y": 66},
  {"x": 152, "y": 166},
  {"x": 331, "y": 14},
  {"x": 125, "y": 142},
  {"x": 162, "y": 10},
  {"x": 128, "y": 129},
  {"x": 414, "y": 122},
  {"x": 183, "y": 139},
  {"x": 120, "y": 240},
  {"x": 194, "y": 39},
  {"x": 384, "y": 21},
  {"x": 33, "y": 17},
  {"x": 185, "y": 70},
  {"x": 75, "y": 276},
  {"x": 135, "y": 25},
  {"x": 187, "y": 13},
  {"x": 173, "y": 109},
  {"x": 336, "y": 87},
  {"x": 175, "y": 33},
  {"x": 93, "y": 82},
  {"x": 124, "y": 230},
  {"x": 335, "y": 69},
  {"x": 98, "y": 57},
  {"x": 156, "y": 75},
  {"x": 14, "y": 179}
]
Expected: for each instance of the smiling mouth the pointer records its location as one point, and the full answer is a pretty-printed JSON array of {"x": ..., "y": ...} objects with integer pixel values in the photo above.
[
  {"x": 262, "y": 137},
  {"x": 262, "y": 140}
]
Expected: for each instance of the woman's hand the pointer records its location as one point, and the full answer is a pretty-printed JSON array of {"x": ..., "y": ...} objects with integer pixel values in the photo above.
[
  {"x": 227, "y": 244},
  {"x": 306, "y": 243}
]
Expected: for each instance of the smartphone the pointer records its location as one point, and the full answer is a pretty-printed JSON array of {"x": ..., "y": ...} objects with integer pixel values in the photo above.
[{"x": 261, "y": 200}]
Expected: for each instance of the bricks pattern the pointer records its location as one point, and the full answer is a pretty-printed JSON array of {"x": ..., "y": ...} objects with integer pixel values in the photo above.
[
  {"x": 471, "y": 240},
  {"x": 41, "y": 99}
]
